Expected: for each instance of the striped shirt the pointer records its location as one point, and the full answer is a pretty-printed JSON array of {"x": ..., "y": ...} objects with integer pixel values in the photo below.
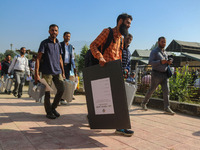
[
  {"x": 113, "y": 52},
  {"x": 126, "y": 55}
]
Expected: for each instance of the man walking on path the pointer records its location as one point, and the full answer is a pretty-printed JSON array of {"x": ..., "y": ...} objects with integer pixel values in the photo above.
[
  {"x": 49, "y": 63},
  {"x": 159, "y": 61},
  {"x": 68, "y": 58},
  {"x": 32, "y": 65},
  {"x": 5, "y": 66},
  {"x": 20, "y": 67},
  {"x": 114, "y": 51},
  {"x": 126, "y": 55}
]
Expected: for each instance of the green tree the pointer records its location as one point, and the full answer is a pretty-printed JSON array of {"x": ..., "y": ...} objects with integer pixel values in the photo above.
[
  {"x": 179, "y": 85},
  {"x": 77, "y": 57},
  {"x": 154, "y": 46},
  {"x": 11, "y": 52},
  {"x": 1, "y": 57},
  {"x": 81, "y": 61}
]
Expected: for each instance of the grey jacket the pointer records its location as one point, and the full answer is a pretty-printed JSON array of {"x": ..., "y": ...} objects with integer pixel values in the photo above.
[{"x": 155, "y": 60}]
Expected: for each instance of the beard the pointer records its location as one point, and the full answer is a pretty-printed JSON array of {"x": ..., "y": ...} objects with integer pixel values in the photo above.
[
  {"x": 53, "y": 36},
  {"x": 22, "y": 53},
  {"x": 123, "y": 29},
  {"x": 161, "y": 46}
]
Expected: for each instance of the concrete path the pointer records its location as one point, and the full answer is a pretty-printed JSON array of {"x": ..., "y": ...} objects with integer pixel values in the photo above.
[{"x": 23, "y": 126}]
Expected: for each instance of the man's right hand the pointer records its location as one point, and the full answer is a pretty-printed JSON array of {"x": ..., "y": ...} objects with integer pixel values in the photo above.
[
  {"x": 169, "y": 62},
  {"x": 102, "y": 61},
  {"x": 37, "y": 78}
]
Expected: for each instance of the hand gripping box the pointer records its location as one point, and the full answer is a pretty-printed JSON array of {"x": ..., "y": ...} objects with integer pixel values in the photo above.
[
  {"x": 8, "y": 84},
  {"x": 106, "y": 96},
  {"x": 68, "y": 91},
  {"x": 37, "y": 92}
]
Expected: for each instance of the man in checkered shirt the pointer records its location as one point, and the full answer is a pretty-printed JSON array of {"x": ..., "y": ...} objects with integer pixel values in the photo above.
[{"x": 114, "y": 50}]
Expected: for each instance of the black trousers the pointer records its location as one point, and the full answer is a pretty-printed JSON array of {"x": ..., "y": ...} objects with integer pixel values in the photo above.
[
  {"x": 58, "y": 81},
  {"x": 67, "y": 69}
]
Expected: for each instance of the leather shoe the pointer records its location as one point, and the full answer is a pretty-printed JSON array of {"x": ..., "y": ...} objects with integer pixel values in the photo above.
[
  {"x": 55, "y": 113},
  {"x": 15, "y": 94},
  {"x": 169, "y": 111},
  {"x": 144, "y": 106},
  {"x": 51, "y": 116}
]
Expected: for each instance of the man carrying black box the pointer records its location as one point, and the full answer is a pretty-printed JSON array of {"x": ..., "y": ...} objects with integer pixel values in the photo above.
[{"x": 114, "y": 50}]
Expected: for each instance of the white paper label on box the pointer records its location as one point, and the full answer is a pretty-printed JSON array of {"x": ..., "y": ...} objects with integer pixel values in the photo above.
[{"x": 102, "y": 96}]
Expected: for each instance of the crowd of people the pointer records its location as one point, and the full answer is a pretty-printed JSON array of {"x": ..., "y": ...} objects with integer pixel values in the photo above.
[
  {"x": 53, "y": 63},
  {"x": 55, "y": 60}
]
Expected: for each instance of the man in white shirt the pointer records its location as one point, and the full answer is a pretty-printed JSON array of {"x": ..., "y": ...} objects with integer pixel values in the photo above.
[
  {"x": 20, "y": 67},
  {"x": 68, "y": 57}
]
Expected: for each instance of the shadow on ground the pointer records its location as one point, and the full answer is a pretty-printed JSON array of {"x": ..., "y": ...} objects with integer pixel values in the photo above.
[
  {"x": 66, "y": 132},
  {"x": 196, "y": 133}
]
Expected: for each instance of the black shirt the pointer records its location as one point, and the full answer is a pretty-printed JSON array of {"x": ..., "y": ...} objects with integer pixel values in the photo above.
[{"x": 5, "y": 65}]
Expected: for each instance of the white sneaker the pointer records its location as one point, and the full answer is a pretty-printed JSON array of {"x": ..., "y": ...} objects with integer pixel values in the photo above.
[{"x": 63, "y": 102}]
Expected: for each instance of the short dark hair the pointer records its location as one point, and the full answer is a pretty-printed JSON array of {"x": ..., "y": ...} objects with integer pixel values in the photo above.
[
  {"x": 162, "y": 37},
  {"x": 53, "y": 25},
  {"x": 8, "y": 55},
  {"x": 124, "y": 16},
  {"x": 66, "y": 33},
  {"x": 130, "y": 35},
  {"x": 22, "y": 48},
  {"x": 35, "y": 56}
]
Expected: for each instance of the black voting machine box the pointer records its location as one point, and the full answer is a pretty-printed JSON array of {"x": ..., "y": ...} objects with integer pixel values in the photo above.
[{"x": 106, "y": 96}]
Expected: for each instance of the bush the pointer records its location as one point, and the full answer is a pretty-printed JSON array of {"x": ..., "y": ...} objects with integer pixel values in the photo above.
[{"x": 179, "y": 85}]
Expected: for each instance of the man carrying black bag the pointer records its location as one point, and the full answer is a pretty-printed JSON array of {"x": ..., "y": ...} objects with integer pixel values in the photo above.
[{"x": 160, "y": 74}]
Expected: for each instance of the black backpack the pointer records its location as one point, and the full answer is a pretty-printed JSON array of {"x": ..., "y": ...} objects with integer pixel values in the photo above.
[{"x": 89, "y": 58}]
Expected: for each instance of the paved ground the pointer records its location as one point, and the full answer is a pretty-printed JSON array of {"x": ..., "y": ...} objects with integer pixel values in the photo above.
[{"x": 23, "y": 126}]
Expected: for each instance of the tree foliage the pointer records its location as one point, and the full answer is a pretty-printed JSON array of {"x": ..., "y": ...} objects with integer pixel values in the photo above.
[
  {"x": 1, "y": 57},
  {"x": 154, "y": 46},
  {"x": 77, "y": 57},
  {"x": 11, "y": 52},
  {"x": 179, "y": 85},
  {"x": 81, "y": 61}
]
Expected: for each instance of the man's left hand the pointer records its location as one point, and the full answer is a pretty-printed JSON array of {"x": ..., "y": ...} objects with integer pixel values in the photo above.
[
  {"x": 63, "y": 76},
  {"x": 75, "y": 72}
]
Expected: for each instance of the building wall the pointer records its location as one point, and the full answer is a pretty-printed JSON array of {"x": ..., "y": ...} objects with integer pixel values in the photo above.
[{"x": 191, "y": 63}]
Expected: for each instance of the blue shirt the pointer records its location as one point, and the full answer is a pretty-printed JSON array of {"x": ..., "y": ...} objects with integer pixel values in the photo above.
[
  {"x": 155, "y": 58},
  {"x": 50, "y": 62},
  {"x": 130, "y": 80}
]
